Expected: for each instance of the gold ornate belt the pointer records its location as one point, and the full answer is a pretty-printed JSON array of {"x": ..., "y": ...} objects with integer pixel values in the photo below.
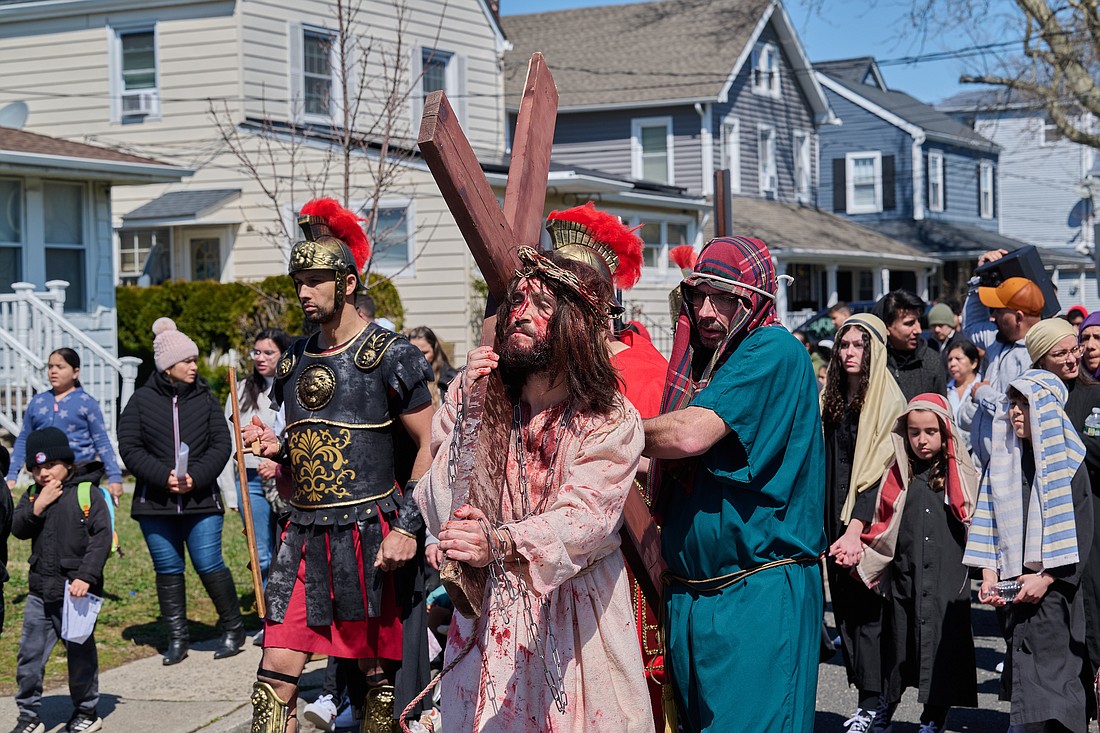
[
  {"x": 709, "y": 585},
  {"x": 376, "y": 497}
]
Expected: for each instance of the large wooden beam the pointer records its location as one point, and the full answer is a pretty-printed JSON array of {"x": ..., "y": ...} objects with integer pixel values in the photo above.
[
  {"x": 468, "y": 194},
  {"x": 531, "y": 144}
]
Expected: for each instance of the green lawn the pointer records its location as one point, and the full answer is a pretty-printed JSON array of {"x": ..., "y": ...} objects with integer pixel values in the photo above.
[{"x": 128, "y": 627}]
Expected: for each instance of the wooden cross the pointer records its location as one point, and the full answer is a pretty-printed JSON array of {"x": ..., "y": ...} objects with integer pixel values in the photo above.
[{"x": 493, "y": 236}]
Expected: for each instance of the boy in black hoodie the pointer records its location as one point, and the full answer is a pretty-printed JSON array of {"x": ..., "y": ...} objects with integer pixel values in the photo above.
[
  {"x": 6, "y": 510},
  {"x": 69, "y": 542}
]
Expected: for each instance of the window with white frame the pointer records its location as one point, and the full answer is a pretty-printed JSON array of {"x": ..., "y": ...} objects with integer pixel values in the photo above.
[
  {"x": 434, "y": 69},
  {"x": 802, "y": 165},
  {"x": 985, "y": 189},
  {"x": 64, "y": 224},
  {"x": 392, "y": 243},
  {"x": 11, "y": 233},
  {"x": 935, "y": 181},
  {"x": 768, "y": 170},
  {"x": 863, "y": 175},
  {"x": 317, "y": 72},
  {"x": 1050, "y": 133},
  {"x": 731, "y": 151},
  {"x": 765, "y": 69},
  {"x": 143, "y": 253},
  {"x": 134, "y": 78},
  {"x": 659, "y": 236},
  {"x": 651, "y": 148}
]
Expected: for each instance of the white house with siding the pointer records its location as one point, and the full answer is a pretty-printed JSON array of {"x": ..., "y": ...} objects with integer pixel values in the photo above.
[{"x": 145, "y": 77}]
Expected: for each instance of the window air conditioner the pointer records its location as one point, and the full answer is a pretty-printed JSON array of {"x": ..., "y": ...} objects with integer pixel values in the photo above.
[{"x": 139, "y": 104}]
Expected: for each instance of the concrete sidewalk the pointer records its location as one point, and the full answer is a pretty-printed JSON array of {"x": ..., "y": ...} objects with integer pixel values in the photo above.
[{"x": 198, "y": 694}]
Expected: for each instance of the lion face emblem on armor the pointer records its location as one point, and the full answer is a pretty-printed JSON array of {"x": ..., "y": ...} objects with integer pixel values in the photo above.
[{"x": 315, "y": 387}]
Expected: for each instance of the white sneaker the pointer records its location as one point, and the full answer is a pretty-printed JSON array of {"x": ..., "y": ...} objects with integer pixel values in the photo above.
[
  {"x": 321, "y": 713},
  {"x": 860, "y": 722}
]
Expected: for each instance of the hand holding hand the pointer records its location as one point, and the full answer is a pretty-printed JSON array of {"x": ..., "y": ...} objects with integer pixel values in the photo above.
[
  {"x": 176, "y": 486},
  {"x": 433, "y": 555},
  {"x": 78, "y": 588}
]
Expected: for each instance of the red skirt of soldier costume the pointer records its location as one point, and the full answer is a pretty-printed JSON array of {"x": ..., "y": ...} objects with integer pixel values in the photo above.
[{"x": 378, "y": 636}]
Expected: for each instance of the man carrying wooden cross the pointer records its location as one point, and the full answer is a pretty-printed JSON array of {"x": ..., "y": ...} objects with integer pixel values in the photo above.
[
  {"x": 553, "y": 646},
  {"x": 740, "y": 498}
]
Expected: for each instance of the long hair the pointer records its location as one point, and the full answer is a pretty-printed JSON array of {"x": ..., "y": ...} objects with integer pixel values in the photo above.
[
  {"x": 937, "y": 471},
  {"x": 578, "y": 336},
  {"x": 255, "y": 383},
  {"x": 71, "y": 358},
  {"x": 440, "y": 362},
  {"x": 835, "y": 397}
]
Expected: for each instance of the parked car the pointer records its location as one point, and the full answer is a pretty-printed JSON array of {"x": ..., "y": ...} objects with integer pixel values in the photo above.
[{"x": 820, "y": 325}]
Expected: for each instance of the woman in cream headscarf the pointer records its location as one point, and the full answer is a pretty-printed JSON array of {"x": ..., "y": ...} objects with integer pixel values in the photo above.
[{"x": 859, "y": 408}]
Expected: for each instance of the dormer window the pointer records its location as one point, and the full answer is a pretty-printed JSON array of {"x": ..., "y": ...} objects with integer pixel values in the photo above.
[{"x": 765, "y": 69}]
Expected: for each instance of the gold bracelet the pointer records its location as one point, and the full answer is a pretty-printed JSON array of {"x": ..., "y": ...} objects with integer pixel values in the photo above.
[{"x": 405, "y": 532}]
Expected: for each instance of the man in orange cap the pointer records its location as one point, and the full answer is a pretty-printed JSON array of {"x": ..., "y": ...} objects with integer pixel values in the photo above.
[{"x": 997, "y": 319}]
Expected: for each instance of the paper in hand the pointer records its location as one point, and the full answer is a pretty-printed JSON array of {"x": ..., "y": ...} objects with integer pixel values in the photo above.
[
  {"x": 78, "y": 616},
  {"x": 181, "y": 462}
]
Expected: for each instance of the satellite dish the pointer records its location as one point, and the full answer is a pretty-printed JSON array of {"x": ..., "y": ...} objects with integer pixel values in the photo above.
[{"x": 14, "y": 115}]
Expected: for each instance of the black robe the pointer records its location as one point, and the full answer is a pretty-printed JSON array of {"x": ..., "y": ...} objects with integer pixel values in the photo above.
[
  {"x": 1046, "y": 640},
  {"x": 928, "y": 641},
  {"x": 858, "y": 610}
]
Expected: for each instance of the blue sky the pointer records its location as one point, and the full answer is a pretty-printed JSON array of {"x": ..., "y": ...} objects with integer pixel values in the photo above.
[{"x": 832, "y": 29}]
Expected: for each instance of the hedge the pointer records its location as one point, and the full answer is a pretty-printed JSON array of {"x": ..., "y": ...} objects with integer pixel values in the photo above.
[{"x": 223, "y": 316}]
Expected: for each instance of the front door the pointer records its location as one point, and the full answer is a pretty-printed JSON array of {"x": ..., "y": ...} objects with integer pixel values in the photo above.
[{"x": 205, "y": 254}]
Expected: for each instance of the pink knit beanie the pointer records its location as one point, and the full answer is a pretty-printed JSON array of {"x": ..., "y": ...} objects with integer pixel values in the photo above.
[{"x": 171, "y": 346}]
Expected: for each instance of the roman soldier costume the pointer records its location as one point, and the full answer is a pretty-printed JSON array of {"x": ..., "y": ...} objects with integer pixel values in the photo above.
[{"x": 340, "y": 404}]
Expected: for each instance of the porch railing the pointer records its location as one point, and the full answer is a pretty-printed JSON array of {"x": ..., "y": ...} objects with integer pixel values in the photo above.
[{"x": 32, "y": 325}]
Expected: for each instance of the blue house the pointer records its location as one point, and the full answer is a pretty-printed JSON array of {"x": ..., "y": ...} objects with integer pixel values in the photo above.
[
  {"x": 668, "y": 92},
  {"x": 909, "y": 171}
]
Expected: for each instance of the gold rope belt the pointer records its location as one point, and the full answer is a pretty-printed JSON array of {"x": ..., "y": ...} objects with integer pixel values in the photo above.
[{"x": 709, "y": 585}]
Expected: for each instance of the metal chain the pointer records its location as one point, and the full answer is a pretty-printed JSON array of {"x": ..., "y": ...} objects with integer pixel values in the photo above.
[
  {"x": 508, "y": 587},
  {"x": 454, "y": 452}
]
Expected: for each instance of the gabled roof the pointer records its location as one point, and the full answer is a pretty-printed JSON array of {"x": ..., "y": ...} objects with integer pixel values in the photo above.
[
  {"x": 860, "y": 70},
  {"x": 645, "y": 54},
  {"x": 807, "y": 232},
  {"x": 188, "y": 204},
  {"x": 20, "y": 149},
  {"x": 988, "y": 100},
  {"x": 962, "y": 242},
  {"x": 838, "y": 77}
]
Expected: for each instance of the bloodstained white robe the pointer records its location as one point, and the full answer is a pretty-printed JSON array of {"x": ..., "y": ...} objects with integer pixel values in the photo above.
[{"x": 572, "y": 555}]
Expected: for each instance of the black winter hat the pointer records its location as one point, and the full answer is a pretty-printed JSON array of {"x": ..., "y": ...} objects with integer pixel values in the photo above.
[{"x": 48, "y": 444}]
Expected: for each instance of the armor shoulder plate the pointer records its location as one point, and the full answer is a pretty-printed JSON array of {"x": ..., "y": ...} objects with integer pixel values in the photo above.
[
  {"x": 286, "y": 364},
  {"x": 374, "y": 347}
]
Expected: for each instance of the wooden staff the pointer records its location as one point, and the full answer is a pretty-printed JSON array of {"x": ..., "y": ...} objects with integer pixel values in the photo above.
[{"x": 246, "y": 501}]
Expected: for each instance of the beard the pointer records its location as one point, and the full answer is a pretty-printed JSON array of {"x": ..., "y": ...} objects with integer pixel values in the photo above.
[
  {"x": 517, "y": 363},
  {"x": 319, "y": 315}
]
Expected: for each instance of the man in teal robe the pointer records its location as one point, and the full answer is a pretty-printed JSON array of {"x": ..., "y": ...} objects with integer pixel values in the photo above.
[{"x": 740, "y": 492}]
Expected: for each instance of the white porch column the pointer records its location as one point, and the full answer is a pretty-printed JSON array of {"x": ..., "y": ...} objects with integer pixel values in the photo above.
[
  {"x": 922, "y": 284},
  {"x": 882, "y": 287},
  {"x": 832, "y": 297},
  {"x": 780, "y": 288}
]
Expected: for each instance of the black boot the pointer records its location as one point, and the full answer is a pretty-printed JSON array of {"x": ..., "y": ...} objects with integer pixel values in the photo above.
[
  {"x": 220, "y": 588},
  {"x": 172, "y": 594}
]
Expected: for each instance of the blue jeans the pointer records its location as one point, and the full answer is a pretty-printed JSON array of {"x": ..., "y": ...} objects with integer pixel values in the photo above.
[
  {"x": 167, "y": 536},
  {"x": 263, "y": 520}
]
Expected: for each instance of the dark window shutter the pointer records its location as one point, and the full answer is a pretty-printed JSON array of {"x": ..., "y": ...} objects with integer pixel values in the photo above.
[
  {"x": 978, "y": 169},
  {"x": 994, "y": 184},
  {"x": 889, "y": 195},
  {"x": 927, "y": 177},
  {"x": 840, "y": 185},
  {"x": 945, "y": 177}
]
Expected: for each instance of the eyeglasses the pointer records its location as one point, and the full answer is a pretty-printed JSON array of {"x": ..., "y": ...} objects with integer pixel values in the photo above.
[
  {"x": 718, "y": 301},
  {"x": 1065, "y": 355},
  {"x": 263, "y": 352}
]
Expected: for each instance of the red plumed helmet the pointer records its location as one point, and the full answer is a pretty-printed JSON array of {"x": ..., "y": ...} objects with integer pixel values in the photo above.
[
  {"x": 344, "y": 224},
  {"x": 604, "y": 233},
  {"x": 684, "y": 257}
]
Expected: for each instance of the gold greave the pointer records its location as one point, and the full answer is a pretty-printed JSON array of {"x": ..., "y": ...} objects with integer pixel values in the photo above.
[
  {"x": 378, "y": 711},
  {"x": 269, "y": 713}
]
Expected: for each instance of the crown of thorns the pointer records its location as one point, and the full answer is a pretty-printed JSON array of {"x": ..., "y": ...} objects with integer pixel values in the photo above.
[{"x": 539, "y": 266}]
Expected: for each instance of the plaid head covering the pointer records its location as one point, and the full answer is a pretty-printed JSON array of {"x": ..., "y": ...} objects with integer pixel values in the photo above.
[{"x": 736, "y": 265}]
